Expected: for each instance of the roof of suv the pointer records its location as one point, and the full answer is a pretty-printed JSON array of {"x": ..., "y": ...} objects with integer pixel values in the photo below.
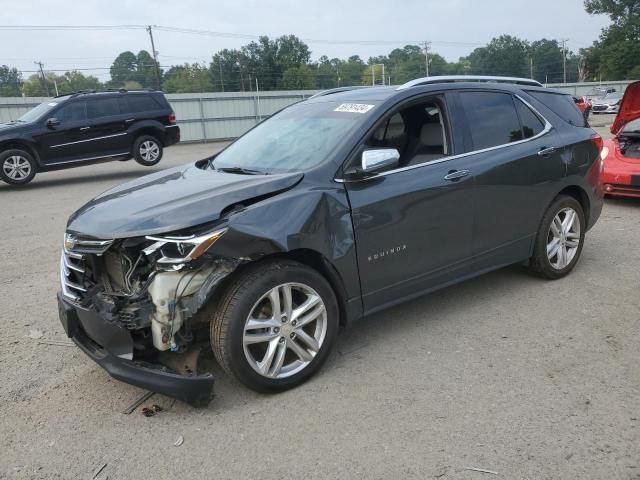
[
  {"x": 449, "y": 82},
  {"x": 106, "y": 92}
]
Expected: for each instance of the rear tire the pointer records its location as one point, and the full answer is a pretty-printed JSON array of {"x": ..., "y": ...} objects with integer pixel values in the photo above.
[
  {"x": 275, "y": 325},
  {"x": 17, "y": 167},
  {"x": 560, "y": 239},
  {"x": 147, "y": 150}
]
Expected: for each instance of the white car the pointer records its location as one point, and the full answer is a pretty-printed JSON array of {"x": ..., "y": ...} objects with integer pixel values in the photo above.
[{"x": 609, "y": 104}]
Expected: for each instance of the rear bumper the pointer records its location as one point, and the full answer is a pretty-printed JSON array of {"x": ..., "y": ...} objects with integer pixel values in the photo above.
[
  {"x": 171, "y": 135},
  {"x": 111, "y": 347}
]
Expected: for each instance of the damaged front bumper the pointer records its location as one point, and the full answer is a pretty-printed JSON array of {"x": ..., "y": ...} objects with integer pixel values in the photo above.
[{"x": 111, "y": 347}]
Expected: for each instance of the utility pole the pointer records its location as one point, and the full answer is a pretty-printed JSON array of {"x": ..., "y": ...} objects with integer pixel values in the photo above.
[
  {"x": 426, "y": 56},
  {"x": 564, "y": 59},
  {"x": 155, "y": 58},
  {"x": 44, "y": 80},
  {"x": 531, "y": 67},
  {"x": 221, "y": 80}
]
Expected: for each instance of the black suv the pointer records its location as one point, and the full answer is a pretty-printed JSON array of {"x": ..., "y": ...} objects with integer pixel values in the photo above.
[
  {"x": 330, "y": 210},
  {"x": 87, "y": 127}
]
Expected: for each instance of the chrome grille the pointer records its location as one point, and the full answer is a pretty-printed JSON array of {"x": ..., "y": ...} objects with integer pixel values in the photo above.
[{"x": 74, "y": 275}]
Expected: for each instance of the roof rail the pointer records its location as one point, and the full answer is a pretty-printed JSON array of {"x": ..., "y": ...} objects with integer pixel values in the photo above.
[
  {"x": 331, "y": 91},
  {"x": 469, "y": 78},
  {"x": 107, "y": 90}
]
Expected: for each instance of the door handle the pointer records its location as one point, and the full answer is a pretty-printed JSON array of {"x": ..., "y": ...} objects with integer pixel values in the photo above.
[
  {"x": 129, "y": 120},
  {"x": 546, "y": 151},
  {"x": 82, "y": 129},
  {"x": 454, "y": 175}
]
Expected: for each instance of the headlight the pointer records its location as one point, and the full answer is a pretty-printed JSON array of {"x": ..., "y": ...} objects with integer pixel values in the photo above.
[{"x": 182, "y": 249}]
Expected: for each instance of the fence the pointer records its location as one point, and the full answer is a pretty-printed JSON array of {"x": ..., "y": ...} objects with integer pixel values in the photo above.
[{"x": 221, "y": 116}]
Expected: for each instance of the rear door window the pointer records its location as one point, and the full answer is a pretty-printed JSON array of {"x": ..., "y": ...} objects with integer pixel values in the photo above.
[
  {"x": 562, "y": 105},
  {"x": 492, "y": 118},
  {"x": 142, "y": 103},
  {"x": 102, "y": 107},
  {"x": 532, "y": 125}
]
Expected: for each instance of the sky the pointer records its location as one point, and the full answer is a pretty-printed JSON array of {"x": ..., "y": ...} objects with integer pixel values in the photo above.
[{"x": 454, "y": 27}]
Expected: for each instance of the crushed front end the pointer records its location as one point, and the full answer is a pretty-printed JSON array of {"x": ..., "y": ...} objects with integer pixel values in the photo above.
[{"x": 132, "y": 305}]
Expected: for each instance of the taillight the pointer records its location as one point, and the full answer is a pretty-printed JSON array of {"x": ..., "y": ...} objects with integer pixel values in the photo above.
[
  {"x": 172, "y": 118},
  {"x": 597, "y": 141}
]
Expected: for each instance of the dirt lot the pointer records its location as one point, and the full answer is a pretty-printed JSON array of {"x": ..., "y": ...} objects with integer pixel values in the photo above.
[{"x": 506, "y": 373}]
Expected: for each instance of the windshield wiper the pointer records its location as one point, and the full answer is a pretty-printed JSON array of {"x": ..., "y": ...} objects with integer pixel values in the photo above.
[{"x": 240, "y": 170}]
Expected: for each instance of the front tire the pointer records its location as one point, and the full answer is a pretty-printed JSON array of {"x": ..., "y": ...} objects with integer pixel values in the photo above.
[
  {"x": 17, "y": 167},
  {"x": 147, "y": 150},
  {"x": 275, "y": 325},
  {"x": 560, "y": 239}
]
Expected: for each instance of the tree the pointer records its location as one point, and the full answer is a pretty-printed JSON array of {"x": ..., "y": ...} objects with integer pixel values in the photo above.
[
  {"x": 33, "y": 86},
  {"x": 128, "y": 67},
  {"x": 75, "y": 81},
  {"x": 187, "y": 78},
  {"x": 615, "y": 54},
  {"x": 123, "y": 68},
  {"x": 146, "y": 74},
  {"x": 10, "y": 80},
  {"x": 505, "y": 55},
  {"x": 546, "y": 57},
  {"x": 298, "y": 78}
]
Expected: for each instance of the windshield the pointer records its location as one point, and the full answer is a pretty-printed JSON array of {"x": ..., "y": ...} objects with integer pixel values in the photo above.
[
  {"x": 39, "y": 111},
  {"x": 296, "y": 139},
  {"x": 613, "y": 96}
]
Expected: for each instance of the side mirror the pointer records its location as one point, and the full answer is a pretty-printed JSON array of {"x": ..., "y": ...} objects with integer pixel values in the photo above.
[
  {"x": 53, "y": 122},
  {"x": 379, "y": 159}
]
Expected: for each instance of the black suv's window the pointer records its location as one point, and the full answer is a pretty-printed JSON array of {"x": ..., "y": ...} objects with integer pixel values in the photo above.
[
  {"x": 492, "y": 118},
  {"x": 72, "y": 112},
  {"x": 562, "y": 105},
  {"x": 142, "y": 103},
  {"x": 531, "y": 123},
  {"x": 102, "y": 107}
]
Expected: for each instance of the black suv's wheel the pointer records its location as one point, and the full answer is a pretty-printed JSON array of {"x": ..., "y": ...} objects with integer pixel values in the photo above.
[
  {"x": 275, "y": 325},
  {"x": 17, "y": 167},
  {"x": 147, "y": 150},
  {"x": 560, "y": 239}
]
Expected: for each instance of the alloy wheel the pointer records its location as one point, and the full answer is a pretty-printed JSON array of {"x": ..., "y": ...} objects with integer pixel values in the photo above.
[
  {"x": 16, "y": 167},
  {"x": 563, "y": 239},
  {"x": 285, "y": 330},
  {"x": 149, "y": 151}
]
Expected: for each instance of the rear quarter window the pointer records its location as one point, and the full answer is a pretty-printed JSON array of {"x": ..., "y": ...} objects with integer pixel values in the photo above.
[
  {"x": 562, "y": 105},
  {"x": 143, "y": 103}
]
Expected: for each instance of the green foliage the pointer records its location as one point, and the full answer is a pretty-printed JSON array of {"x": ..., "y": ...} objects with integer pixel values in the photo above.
[
  {"x": 10, "y": 80},
  {"x": 128, "y": 67},
  {"x": 187, "y": 78},
  {"x": 616, "y": 54},
  {"x": 298, "y": 78},
  {"x": 505, "y": 55}
]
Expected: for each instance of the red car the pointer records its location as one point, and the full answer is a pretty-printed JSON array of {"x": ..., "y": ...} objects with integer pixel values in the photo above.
[
  {"x": 584, "y": 104},
  {"x": 621, "y": 174}
]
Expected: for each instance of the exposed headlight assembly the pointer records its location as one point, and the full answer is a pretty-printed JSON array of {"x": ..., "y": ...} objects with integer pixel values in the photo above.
[{"x": 181, "y": 249}]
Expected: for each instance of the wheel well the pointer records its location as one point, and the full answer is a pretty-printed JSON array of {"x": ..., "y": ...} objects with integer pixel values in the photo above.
[
  {"x": 21, "y": 146},
  {"x": 581, "y": 196},
  {"x": 154, "y": 132},
  {"x": 311, "y": 259}
]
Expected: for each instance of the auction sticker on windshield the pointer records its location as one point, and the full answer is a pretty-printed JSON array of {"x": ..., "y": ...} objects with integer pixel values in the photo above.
[{"x": 354, "y": 108}]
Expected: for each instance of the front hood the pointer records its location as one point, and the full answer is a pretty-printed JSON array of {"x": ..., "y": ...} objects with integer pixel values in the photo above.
[
  {"x": 173, "y": 199},
  {"x": 11, "y": 127},
  {"x": 629, "y": 108}
]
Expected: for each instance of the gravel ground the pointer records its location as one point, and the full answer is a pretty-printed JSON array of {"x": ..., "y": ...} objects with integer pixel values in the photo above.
[{"x": 507, "y": 373}]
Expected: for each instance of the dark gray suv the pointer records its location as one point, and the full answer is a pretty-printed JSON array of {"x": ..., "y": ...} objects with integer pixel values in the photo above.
[
  {"x": 332, "y": 209},
  {"x": 84, "y": 128}
]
